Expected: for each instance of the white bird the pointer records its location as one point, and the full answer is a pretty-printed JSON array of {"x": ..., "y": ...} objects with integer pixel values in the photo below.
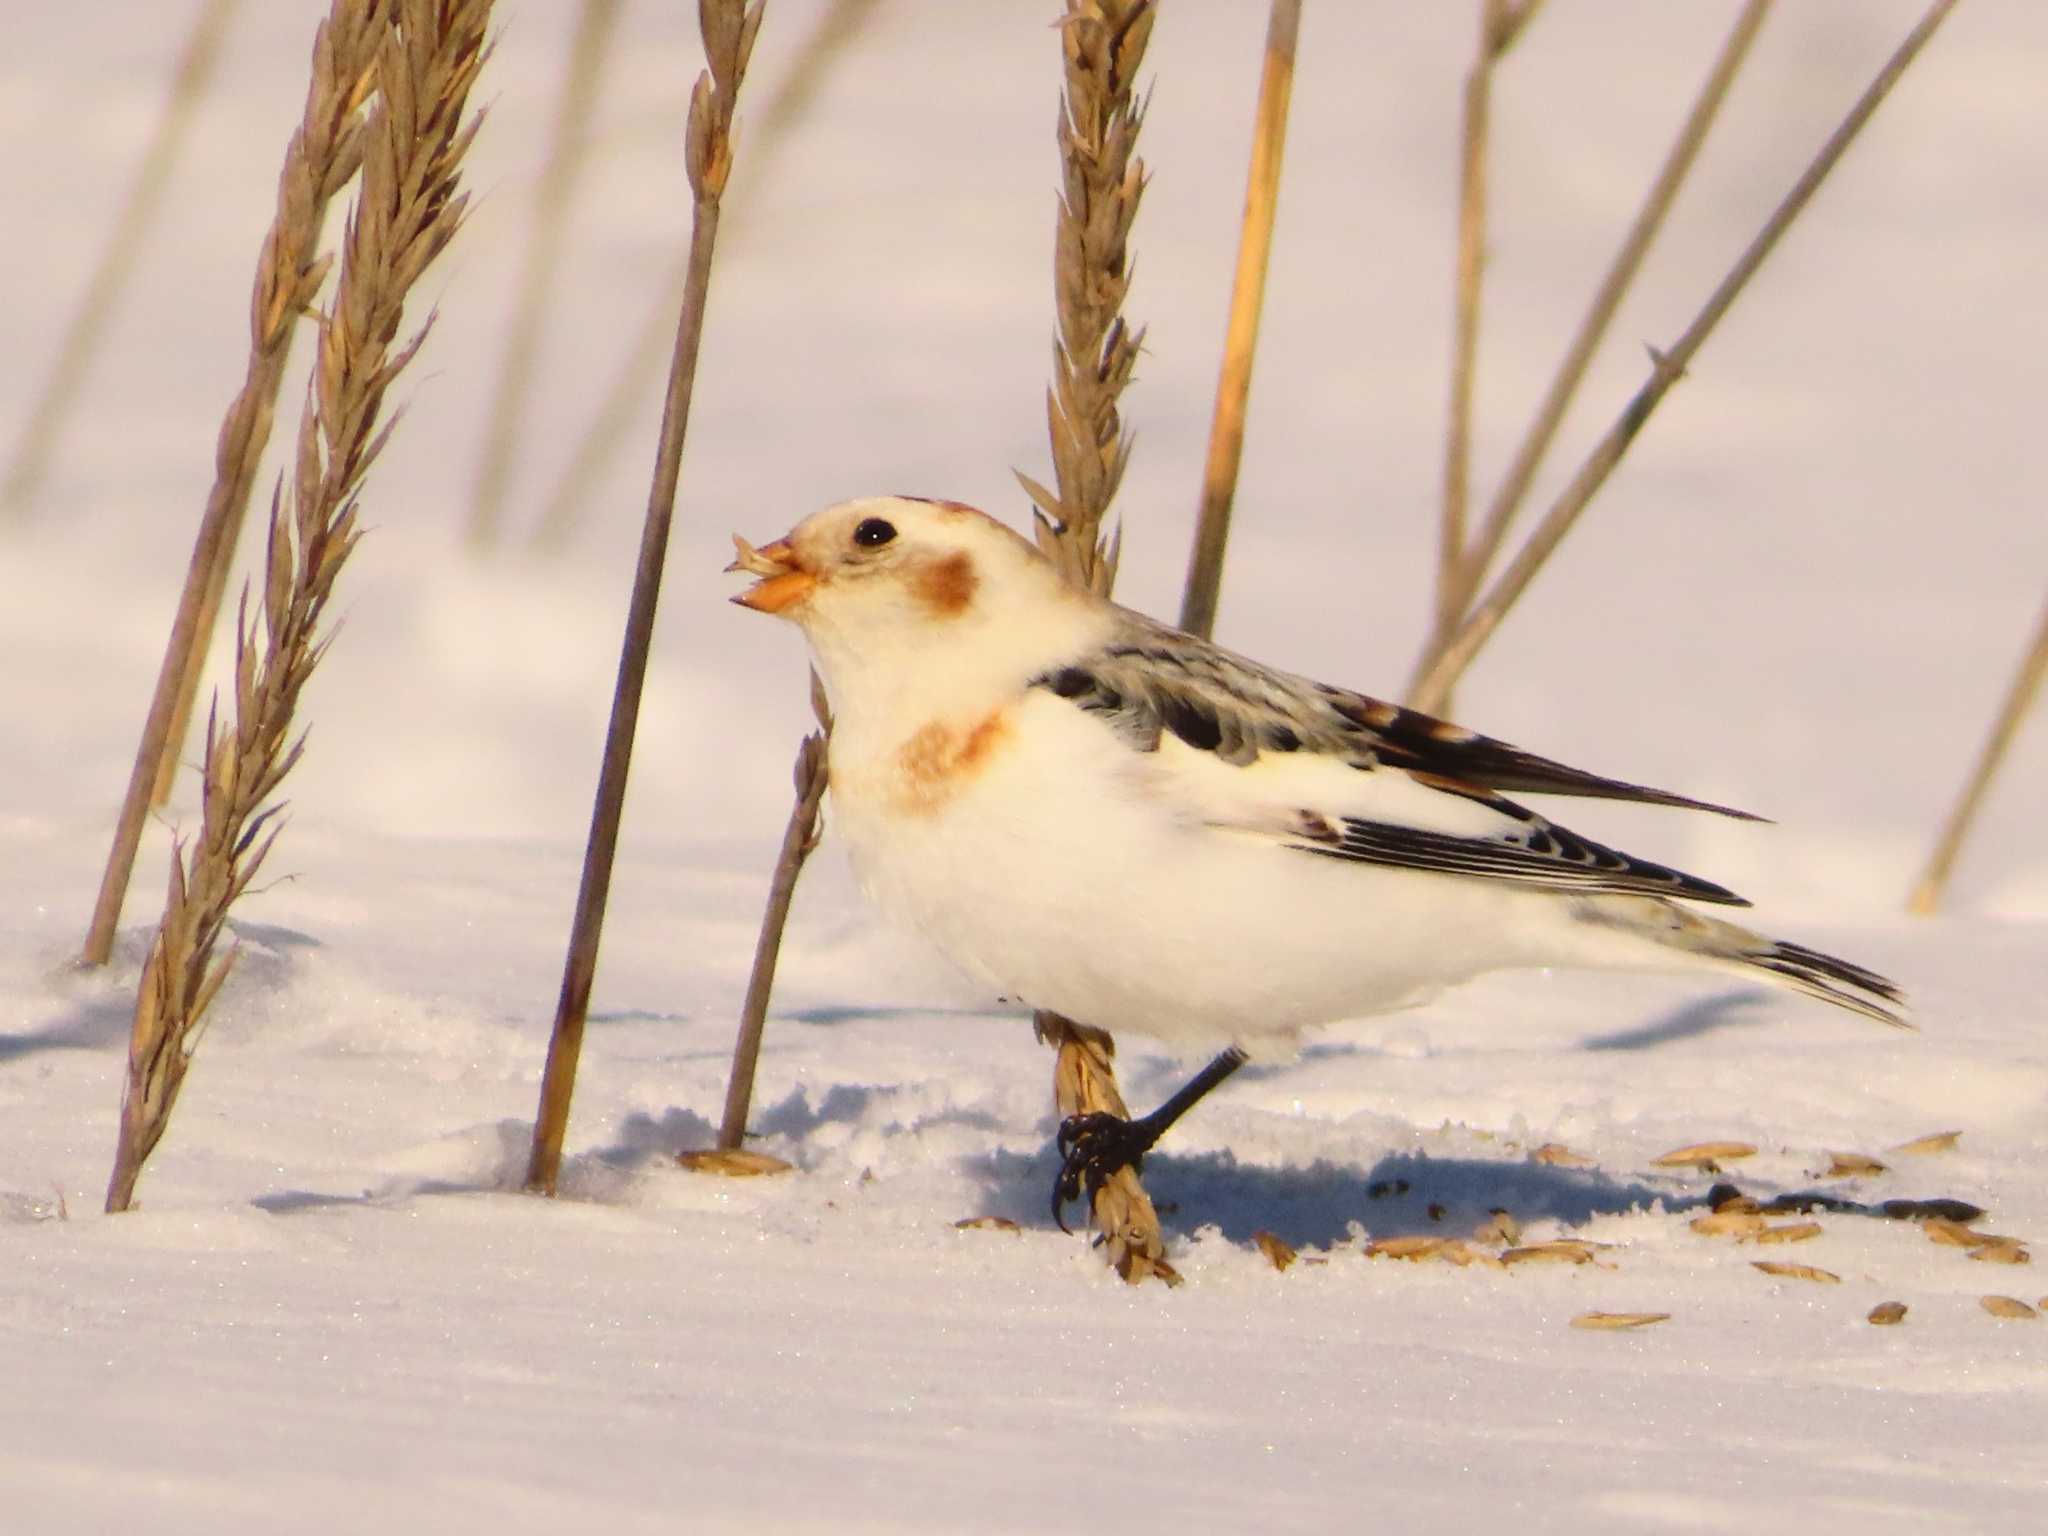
[{"x": 1104, "y": 817}]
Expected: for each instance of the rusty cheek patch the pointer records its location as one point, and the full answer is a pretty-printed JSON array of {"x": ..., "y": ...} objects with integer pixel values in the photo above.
[
  {"x": 938, "y": 761},
  {"x": 947, "y": 586}
]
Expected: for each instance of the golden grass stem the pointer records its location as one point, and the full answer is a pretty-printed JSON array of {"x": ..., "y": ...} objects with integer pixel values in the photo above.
[
  {"x": 29, "y": 463},
  {"x": 1667, "y": 368},
  {"x": 323, "y": 154},
  {"x": 568, "y": 152},
  {"x": 799, "y": 839},
  {"x": 408, "y": 210},
  {"x": 1459, "y": 573},
  {"x": 729, "y": 28},
  {"x": 1241, "y": 337},
  {"x": 599, "y": 445},
  {"x": 1102, "y": 47},
  {"x": 320, "y": 160},
  {"x": 2019, "y": 699}
]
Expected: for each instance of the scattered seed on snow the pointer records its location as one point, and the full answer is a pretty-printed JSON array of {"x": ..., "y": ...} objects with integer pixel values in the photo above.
[
  {"x": 1850, "y": 1165},
  {"x": 1921, "y": 1146},
  {"x": 1790, "y": 1232},
  {"x": 1885, "y": 1313},
  {"x": 734, "y": 1164},
  {"x": 2006, "y": 1306},
  {"x": 1279, "y": 1252},
  {"x": 1796, "y": 1271},
  {"x": 1614, "y": 1320},
  {"x": 1704, "y": 1155}
]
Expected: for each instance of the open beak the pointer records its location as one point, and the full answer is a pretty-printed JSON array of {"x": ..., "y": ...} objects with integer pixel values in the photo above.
[{"x": 783, "y": 582}]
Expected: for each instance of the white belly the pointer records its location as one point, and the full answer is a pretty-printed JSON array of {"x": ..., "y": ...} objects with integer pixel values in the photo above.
[{"x": 1055, "y": 877}]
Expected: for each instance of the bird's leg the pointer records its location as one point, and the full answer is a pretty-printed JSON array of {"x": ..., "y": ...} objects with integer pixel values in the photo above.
[{"x": 1093, "y": 1147}]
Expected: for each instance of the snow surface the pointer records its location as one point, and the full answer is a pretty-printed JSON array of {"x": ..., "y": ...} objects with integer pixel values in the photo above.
[{"x": 1802, "y": 594}]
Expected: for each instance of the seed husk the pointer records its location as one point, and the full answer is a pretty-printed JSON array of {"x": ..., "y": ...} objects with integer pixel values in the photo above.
[
  {"x": 1412, "y": 1248},
  {"x": 1614, "y": 1320},
  {"x": 1278, "y": 1251},
  {"x": 1557, "y": 1155},
  {"x": 1729, "y": 1224},
  {"x": 1796, "y": 1271},
  {"x": 1921, "y": 1146},
  {"x": 986, "y": 1224},
  {"x": 733, "y": 1164},
  {"x": 1704, "y": 1155},
  {"x": 1566, "y": 1250},
  {"x": 2001, "y": 1250},
  {"x": 2006, "y": 1306},
  {"x": 1790, "y": 1232},
  {"x": 1851, "y": 1165},
  {"x": 1885, "y": 1313}
]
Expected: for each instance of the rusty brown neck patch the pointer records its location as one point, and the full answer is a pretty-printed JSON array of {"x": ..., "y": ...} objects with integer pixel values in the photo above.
[{"x": 946, "y": 586}]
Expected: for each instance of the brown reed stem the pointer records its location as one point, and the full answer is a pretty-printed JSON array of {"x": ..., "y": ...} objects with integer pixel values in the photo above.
[
  {"x": 29, "y": 463},
  {"x": 601, "y": 439},
  {"x": 2019, "y": 699},
  {"x": 504, "y": 425},
  {"x": 1241, "y": 337},
  {"x": 1468, "y": 275},
  {"x": 1459, "y": 581},
  {"x": 728, "y": 28},
  {"x": 407, "y": 212},
  {"x": 1667, "y": 368},
  {"x": 799, "y": 840},
  {"x": 323, "y": 154}
]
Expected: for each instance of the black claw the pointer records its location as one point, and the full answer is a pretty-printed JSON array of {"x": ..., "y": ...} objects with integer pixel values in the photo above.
[{"x": 1092, "y": 1148}]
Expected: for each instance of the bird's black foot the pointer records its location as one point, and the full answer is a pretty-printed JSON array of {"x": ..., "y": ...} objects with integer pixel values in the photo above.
[{"x": 1092, "y": 1149}]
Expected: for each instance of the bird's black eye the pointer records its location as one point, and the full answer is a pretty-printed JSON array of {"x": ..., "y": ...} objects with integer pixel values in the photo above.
[{"x": 873, "y": 533}]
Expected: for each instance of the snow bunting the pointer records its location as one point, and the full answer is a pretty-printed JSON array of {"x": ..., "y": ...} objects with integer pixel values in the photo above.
[{"x": 1107, "y": 818}]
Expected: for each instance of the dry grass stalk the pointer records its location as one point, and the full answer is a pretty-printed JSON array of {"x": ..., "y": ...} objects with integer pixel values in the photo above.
[
  {"x": 568, "y": 150},
  {"x": 1463, "y": 564},
  {"x": 321, "y": 158},
  {"x": 1666, "y": 369},
  {"x": 729, "y": 28},
  {"x": 323, "y": 154},
  {"x": 1500, "y": 23},
  {"x": 824, "y": 45},
  {"x": 29, "y": 463},
  {"x": 1102, "y": 44},
  {"x": 408, "y": 210},
  {"x": 799, "y": 838},
  {"x": 1241, "y": 338},
  {"x": 2026, "y": 687}
]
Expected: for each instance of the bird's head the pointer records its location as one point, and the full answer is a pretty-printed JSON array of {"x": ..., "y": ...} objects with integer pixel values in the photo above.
[{"x": 898, "y": 585}]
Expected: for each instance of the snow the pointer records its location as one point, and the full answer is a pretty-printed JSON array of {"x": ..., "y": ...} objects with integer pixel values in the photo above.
[{"x": 1802, "y": 593}]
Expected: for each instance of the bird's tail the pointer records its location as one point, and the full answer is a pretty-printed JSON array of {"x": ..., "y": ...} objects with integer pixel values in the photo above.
[{"x": 1728, "y": 947}]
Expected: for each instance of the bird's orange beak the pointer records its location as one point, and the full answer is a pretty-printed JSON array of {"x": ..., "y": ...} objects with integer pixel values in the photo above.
[{"x": 784, "y": 582}]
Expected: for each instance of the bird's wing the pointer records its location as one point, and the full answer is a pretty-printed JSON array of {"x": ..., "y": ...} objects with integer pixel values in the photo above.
[{"x": 1335, "y": 773}]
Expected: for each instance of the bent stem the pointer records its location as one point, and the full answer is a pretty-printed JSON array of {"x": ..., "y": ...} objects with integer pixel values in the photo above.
[
  {"x": 1458, "y": 578},
  {"x": 1667, "y": 368},
  {"x": 799, "y": 839}
]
